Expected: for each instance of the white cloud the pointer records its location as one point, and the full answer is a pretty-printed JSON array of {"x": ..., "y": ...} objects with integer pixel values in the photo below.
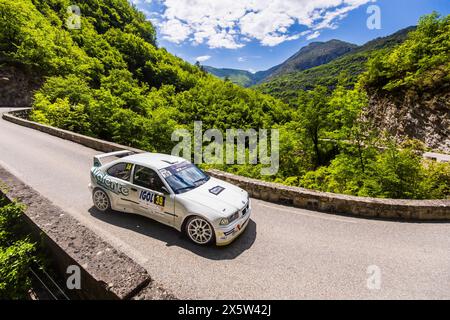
[
  {"x": 203, "y": 58},
  {"x": 136, "y": 2},
  {"x": 230, "y": 23},
  {"x": 314, "y": 35},
  {"x": 175, "y": 31}
]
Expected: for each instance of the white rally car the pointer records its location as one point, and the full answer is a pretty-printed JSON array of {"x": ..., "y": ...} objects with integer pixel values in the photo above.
[{"x": 172, "y": 191}]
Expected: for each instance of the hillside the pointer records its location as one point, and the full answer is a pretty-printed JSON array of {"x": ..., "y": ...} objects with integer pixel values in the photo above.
[
  {"x": 313, "y": 55},
  {"x": 110, "y": 80},
  {"x": 409, "y": 87},
  {"x": 346, "y": 68},
  {"x": 240, "y": 77}
]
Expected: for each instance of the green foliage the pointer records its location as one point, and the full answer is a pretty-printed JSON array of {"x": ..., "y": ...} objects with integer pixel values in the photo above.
[
  {"x": 16, "y": 253},
  {"x": 436, "y": 180},
  {"x": 31, "y": 39},
  {"x": 397, "y": 173},
  {"x": 313, "y": 115},
  {"x": 118, "y": 14},
  {"x": 9, "y": 220},
  {"x": 14, "y": 267},
  {"x": 421, "y": 62}
]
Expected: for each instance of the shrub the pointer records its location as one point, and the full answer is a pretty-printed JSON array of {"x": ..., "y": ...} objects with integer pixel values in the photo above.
[{"x": 16, "y": 253}]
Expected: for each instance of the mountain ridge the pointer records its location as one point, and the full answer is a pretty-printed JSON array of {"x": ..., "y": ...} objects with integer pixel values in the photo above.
[
  {"x": 345, "y": 68},
  {"x": 312, "y": 55},
  {"x": 298, "y": 62}
]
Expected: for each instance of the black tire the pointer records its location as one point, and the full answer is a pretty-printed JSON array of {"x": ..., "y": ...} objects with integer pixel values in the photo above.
[
  {"x": 205, "y": 234},
  {"x": 101, "y": 200}
]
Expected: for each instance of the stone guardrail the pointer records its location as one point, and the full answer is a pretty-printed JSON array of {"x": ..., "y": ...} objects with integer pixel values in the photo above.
[
  {"x": 18, "y": 117},
  {"x": 409, "y": 210},
  {"x": 426, "y": 210}
]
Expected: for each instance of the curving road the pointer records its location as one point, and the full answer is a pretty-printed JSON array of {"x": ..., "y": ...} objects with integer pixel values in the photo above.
[{"x": 285, "y": 253}]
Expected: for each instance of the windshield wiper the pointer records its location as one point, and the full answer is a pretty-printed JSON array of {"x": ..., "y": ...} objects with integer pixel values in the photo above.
[
  {"x": 185, "y": 188},
  {"x": 202, "y": 179}
]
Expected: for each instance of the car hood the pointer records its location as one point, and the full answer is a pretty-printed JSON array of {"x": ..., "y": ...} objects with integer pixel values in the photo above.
[{"x": 219, "y": 196}]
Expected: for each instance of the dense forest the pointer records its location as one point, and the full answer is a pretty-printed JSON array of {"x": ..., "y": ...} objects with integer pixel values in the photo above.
[{"x": 110, "y": 80}]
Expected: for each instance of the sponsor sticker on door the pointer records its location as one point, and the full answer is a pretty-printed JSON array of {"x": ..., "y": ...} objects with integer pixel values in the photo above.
[{"x": 152, "y": 200}]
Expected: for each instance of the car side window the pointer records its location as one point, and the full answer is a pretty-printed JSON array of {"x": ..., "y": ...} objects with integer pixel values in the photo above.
[
  {"x": 121, "y": 171},
  {"x": 147, "y": 178}
]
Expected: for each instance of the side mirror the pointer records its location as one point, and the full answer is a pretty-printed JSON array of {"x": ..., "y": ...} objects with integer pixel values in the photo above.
[{"x": 164, "y": 189}]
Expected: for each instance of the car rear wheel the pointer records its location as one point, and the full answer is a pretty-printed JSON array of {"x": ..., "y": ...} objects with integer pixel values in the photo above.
[
  {"x": 199, "y": 230},
  {"x": 101, "y": 200}
]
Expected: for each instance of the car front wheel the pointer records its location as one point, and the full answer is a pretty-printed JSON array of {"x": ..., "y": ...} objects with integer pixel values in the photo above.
[
  {"x": 199, "y": 230},
  {"x": 101, "y": 200}
]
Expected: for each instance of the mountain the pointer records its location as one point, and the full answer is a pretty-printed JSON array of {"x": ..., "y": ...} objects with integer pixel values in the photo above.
[
  {"x": 315, "y": 54},
  {"x": 349, "y": 66},
  {"x": 240, "y": 77}
]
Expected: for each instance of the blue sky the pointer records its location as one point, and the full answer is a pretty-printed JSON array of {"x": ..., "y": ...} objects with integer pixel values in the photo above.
[{"x": 255, "y": 35}]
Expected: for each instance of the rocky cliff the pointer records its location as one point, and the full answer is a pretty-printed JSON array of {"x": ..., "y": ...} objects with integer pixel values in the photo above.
[
  {"x": 17, "y": 85},
  {"x": 423, "y": 116}
]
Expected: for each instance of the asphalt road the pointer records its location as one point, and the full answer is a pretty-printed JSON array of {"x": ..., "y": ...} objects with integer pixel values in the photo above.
[{"x": 285, "y": 253}]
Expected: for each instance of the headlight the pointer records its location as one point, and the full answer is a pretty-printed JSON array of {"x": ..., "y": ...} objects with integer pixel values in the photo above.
[{"x": 224, "y": 222}]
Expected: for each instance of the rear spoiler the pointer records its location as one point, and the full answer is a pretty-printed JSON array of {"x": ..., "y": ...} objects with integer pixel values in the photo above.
[{"x": 119, "y": 154}]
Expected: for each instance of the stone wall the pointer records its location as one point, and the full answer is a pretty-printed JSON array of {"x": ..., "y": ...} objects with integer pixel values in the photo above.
[
  {"x": 340, "y": 204},
  {"x": 18, "y": 117},
  {"x": 326, "y": 202}
]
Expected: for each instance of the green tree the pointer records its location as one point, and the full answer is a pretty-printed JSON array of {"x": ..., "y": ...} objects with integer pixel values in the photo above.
[
  {"x": 313, "y": 115},
  {"x": 346, "y": 121},
  {"x": 422, "y": 61}
]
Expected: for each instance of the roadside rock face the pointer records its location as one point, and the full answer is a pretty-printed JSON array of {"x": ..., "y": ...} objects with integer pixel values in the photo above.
[
  {"x": 425, "y": 117},
  {"x": 17, "y": 86}
]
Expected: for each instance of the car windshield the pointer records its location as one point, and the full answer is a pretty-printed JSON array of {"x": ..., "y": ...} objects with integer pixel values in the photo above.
[{"x": 183, "y": 177}]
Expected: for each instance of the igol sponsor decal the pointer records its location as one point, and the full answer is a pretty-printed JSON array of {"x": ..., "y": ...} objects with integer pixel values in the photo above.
[
  {"x": 151, "y": 197},
  {"x": 105, "y": 181}
]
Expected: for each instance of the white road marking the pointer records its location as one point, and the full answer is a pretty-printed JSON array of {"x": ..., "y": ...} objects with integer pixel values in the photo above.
[{"x": 307, "y": 214}]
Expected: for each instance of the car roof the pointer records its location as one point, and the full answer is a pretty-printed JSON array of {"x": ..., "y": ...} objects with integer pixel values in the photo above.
[{"x": 155, "y": 161}]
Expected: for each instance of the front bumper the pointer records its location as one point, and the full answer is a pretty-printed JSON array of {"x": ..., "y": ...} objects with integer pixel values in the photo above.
[{"x": 227, "y": 234}]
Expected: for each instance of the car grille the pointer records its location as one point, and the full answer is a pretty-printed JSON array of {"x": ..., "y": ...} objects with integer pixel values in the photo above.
[{"x": 245, "y": 210}]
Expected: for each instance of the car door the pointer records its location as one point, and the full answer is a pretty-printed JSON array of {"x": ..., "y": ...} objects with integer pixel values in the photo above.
[
  {"x": 118, "y": 182},
  {"x": 151, "y": 196}
]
